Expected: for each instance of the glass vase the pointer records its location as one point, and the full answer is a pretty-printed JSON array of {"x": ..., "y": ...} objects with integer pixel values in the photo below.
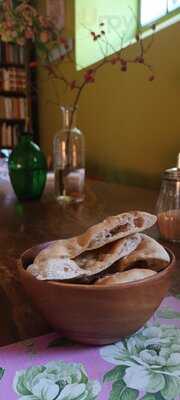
[
  {"x": 27, "y": 169},
  {"x": 69, "y": 159}
]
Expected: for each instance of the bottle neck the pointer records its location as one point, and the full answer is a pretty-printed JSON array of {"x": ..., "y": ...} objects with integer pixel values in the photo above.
[
  {"x": 68, "y": 117},
  {"x": 25, "y": 137}
]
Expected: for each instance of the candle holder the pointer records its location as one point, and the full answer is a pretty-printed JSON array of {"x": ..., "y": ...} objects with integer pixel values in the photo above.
[{"x": 168, "y": 204}]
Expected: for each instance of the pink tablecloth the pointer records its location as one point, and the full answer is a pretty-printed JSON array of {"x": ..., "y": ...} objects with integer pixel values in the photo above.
[{"x": 144, "y": 366}]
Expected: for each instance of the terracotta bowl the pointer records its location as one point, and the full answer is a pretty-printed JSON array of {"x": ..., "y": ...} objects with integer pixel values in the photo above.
[{"x": 95, "y": 314}]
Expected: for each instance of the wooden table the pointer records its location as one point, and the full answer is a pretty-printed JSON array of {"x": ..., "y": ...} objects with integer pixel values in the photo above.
[{"x": 23, "y": 225}]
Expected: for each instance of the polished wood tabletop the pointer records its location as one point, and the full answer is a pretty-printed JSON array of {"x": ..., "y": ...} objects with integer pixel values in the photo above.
[{"x": 25, "y": 224}]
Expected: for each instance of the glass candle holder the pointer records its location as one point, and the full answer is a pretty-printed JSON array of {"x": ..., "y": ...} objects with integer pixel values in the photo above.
[{"x": 168, "y": 205}]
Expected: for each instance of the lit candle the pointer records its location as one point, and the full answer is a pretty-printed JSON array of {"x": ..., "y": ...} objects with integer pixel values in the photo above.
[
  {"x": 178, "y": 161},
  {"x": 63, "y": 152},
  {"x": 74, "y": 161}
]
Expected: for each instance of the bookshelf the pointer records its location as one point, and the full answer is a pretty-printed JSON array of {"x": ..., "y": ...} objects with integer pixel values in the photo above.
[{"x": 18, "y": 99}]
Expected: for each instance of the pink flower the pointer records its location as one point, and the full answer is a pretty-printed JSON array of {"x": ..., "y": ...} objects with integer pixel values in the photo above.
[
  {"x": 44, "y": 21},
  {"x": 6, "y": 36},
  {"x": 21, "y": 41},
  {"x": 63, "y": 41},
  {"x": 44, "y": 36},
  {"x": 29, "y": 34},
  {"x": 9, "y": 23},
  {"x": 14, "y": 34}
]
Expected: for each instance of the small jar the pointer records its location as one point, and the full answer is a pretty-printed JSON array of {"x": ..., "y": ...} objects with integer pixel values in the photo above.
[{"x": 168, "y": 205}]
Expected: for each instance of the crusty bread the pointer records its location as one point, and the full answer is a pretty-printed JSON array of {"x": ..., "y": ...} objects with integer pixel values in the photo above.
[
  {"x": 56, "y": 269},
  {"x": 98, "y": 260},
  {"x": 87, "y": 264},
  {"x": 125, "y": 277},
  {"x": 149, "y": 253},
  {"x": 110, "y": 230}
]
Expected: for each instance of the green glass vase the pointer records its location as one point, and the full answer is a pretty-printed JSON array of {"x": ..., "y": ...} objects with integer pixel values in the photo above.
[{"x": 27, "y": 169}]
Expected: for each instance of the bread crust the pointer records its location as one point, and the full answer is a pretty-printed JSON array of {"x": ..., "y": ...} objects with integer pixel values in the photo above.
[
  {"x": 149, "y": 252},
  {"x": 125, "y": 277}
]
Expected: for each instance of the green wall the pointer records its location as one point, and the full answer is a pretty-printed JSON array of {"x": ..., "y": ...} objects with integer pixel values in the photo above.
[{"x": 131, "y": 125}]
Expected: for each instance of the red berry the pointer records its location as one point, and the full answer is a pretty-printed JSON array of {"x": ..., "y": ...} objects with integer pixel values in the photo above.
[
  {"x": 33, "y": 64},
  {"x": 140, "y": 59},
  {"x": 73, "y": 85},
  {"x": 124, "y": 68},
  {"x": 63, "y": 40},
  {"x": 123, "y": 62},
  {"x": 151, "y": 78}
]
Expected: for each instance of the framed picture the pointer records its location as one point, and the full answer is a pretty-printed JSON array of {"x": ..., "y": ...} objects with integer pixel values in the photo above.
[{"x": 55, "y": 11}]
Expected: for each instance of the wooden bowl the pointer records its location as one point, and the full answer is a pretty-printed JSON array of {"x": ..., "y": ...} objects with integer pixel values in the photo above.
[{"x": 95, "y": 314}]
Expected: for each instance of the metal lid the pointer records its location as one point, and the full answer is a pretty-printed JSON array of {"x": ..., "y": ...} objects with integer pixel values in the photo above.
[{"x": 172, "y": 174}]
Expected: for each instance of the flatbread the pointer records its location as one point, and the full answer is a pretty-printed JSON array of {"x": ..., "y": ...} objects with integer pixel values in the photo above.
[
  {"x": 98, "y": 260},
  {"x": 110, "y": 230},
  {"x": 149, "y": 253},
  {"x": 87, "y": 264},
  {"x": 125, "y": 277},
  {"x": 56, "y": 269}
]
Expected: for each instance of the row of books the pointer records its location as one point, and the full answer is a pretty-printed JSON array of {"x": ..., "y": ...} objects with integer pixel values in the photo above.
[
  {"x": 9, "y": 135},
  {"x": 13, "y": 79},
  {"x": 13, "y": 108},
  {"x": 12, "y": 54}
]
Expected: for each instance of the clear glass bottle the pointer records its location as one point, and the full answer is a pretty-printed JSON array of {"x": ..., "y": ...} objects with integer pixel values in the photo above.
[
  {"x": 168, "y": 205},
  {"x": 69, "y": 159}
]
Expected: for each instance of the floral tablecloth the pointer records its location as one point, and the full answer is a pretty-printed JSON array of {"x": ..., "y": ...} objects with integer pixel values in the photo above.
[{"x": 144, "y": 366}]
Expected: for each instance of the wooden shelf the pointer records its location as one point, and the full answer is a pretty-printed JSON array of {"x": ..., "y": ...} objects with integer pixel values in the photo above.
[
  {"x": 6, "y": 148},
  {"x": 13, "y": 65},
  {"x": 15, "y": 57},
  {"x": 9, "y": 93},
  {"x": 12, "y": 121}
]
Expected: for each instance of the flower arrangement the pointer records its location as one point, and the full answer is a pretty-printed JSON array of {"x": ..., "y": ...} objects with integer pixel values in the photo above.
[{"x": 22, "y": 23}]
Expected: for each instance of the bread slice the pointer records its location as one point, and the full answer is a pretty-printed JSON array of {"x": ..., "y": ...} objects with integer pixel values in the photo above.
[
  {"x": 87, "y": 265},
  {"x": 99, "y": 260},
  {"x": 125, "y": 277},
  {"x": 149, "y": 254},
  {"x": 56, "y": 269},
  {"x": 110, "y": 230}
]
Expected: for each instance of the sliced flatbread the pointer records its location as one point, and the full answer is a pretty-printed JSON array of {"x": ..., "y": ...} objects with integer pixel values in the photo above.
[
  {"x": 149, "y": 254},
  {"x": 110, "y": 230},
  {"x": 98, "y": 260},
  {"x": 56, "y": 269},
  {"x": 125, "y": 277},
  {"x": 87, "y": 264}
]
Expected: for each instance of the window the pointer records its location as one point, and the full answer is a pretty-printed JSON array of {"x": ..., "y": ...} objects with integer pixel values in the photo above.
[
  {"x": 152, "y": 11},
  {"x": 122, "y": 19},
  {"x": 173, "y": 5}
]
